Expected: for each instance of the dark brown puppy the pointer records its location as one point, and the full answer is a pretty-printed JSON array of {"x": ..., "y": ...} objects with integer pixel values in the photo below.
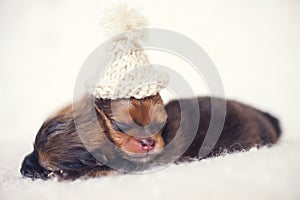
[{"x": 73, "y": 142}]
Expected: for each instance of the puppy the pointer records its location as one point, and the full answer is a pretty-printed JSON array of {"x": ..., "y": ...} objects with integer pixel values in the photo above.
[{"x": 95, "y": 135}]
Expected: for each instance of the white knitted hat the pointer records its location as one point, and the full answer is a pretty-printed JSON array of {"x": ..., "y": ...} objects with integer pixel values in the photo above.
[{"x": 128, "y": 72}]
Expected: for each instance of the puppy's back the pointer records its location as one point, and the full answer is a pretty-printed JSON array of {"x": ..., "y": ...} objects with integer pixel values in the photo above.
[{"x": 244, "y": 126}]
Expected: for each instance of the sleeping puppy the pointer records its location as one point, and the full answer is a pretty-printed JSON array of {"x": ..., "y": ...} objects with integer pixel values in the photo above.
[{"x": 73, "y": 142}]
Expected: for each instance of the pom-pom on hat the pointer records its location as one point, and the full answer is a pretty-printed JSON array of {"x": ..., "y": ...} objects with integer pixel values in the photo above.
[{"x": 128, "y": 72}]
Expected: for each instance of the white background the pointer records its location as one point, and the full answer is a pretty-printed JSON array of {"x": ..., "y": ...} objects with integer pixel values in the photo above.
[{"x": 255, "y": 46}]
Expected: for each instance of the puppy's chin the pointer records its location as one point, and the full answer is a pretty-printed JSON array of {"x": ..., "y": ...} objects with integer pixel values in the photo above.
[{"x": 142, "y": 157}]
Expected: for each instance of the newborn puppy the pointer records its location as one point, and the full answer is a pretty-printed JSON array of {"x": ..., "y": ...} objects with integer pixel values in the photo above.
[
  {"x": 73, "y": 142},
  {"x": 63, "y": 144}
]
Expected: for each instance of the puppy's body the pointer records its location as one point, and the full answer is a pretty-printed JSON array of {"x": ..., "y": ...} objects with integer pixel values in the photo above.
[
  {"x": 244, "y": 127},
  {"x": 66, "y": 143}
]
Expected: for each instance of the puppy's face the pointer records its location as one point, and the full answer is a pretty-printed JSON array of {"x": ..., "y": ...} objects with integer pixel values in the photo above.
[{"x": 135, "y": 125}]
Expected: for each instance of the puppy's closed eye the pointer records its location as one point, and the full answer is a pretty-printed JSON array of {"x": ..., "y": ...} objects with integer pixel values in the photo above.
[
  {"x": 156, "y": 127},
  {"x": 120, "y": 126}
]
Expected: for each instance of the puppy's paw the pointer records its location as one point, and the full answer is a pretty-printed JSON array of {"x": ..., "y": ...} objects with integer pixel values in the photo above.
[{"x": 32, "y": 169}]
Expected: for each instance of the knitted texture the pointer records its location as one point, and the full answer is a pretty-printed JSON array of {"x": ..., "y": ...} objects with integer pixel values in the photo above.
[{"x": 128, "y": 72}]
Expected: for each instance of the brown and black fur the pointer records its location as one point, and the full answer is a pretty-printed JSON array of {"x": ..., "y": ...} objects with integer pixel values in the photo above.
[
  {"x": 60, "y": 151},
  {"x": 244, "y": 127}
]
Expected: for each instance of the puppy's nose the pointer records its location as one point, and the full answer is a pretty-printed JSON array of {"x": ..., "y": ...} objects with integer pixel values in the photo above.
[{"x": 147, "y": 144}]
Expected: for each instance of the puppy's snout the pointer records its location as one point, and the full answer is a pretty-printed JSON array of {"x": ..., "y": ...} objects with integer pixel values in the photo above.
[{"x": 147, "y": 144}]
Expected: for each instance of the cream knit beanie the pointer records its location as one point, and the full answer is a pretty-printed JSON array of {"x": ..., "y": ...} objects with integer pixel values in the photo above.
[{"x": 128, "y": 72}]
